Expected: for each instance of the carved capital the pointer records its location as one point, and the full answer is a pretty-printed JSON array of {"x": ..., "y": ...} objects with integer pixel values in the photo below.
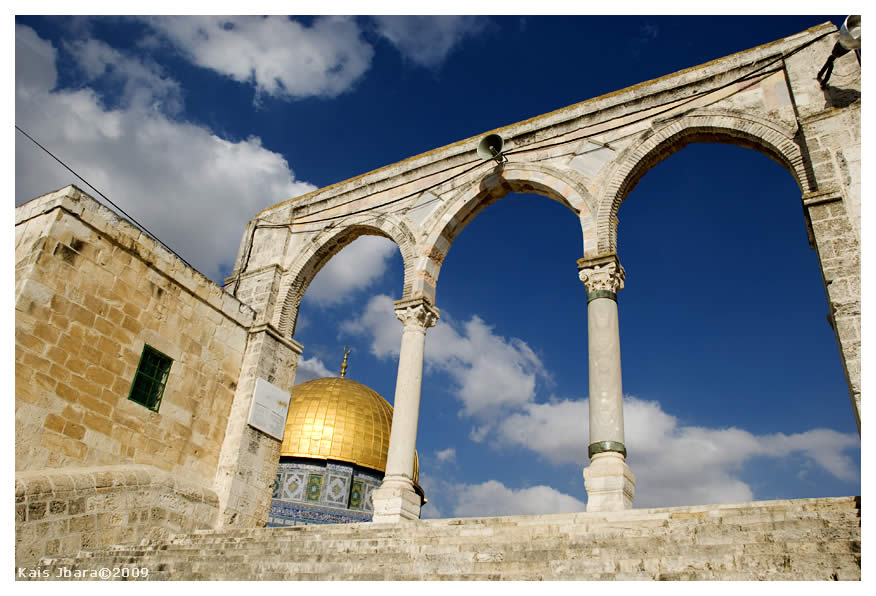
[
  {"x": 417, "y": 313},
  {"x": 601, "y": 274}
]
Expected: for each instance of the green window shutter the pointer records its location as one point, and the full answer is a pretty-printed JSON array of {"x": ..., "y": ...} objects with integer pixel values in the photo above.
[{"x": 150, "y": 379}]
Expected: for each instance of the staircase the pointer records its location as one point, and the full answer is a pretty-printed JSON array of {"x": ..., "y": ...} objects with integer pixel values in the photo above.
[{"x": 805, "y": 539}]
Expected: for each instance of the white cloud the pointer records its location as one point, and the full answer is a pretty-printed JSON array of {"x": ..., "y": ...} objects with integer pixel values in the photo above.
[
  {"x": 558, "y": 431},
  {"x": 379, "y": 321},
  {"x": 492, "y": 498},
  {"x": 281, "y": 57},
  {"x": 166, "y": 174},
  {"x": 356, "y": 267},
  {"x": 143, "y": 83},
  {"x": 427, "y": 40},
  {"x": 446, "y": 497},
  {"x": 34, "y": 62},
  {"x": 446, "y": 455},
  {"x": 673, "y": 464},
  {"x": 491, "y": 373},
  {"x": 311, "y": 368}
]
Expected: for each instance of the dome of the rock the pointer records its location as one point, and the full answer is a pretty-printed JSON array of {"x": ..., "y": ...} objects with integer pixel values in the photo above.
[{"x": 333, "y": 453}]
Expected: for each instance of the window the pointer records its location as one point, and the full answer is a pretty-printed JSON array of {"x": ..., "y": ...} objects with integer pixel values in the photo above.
[{"x": 151, "y": 377}]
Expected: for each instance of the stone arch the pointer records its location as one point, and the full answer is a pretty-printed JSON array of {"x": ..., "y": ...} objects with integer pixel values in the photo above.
[
  {"x": 443, "y": 226},
  {"x": 322, "y": 246},
  {"x": 704, "y": 126}
]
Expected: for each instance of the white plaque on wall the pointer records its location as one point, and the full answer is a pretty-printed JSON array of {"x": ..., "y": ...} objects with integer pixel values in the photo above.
[{"x": 270, "y": 404}]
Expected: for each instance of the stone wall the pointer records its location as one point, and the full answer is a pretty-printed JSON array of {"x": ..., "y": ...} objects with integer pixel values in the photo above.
[
  {"x": 62, "y": 511},
  {"x": 91, "y": 290},
  {"x": 92, "y": 466}
]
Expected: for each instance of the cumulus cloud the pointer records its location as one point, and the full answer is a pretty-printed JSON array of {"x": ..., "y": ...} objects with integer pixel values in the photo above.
[
  {"x": 142, "y": 83},
  {"x": 674, "y": 464},
  {"x": 279, "y": 56},
  {"x": 356, "y": 267},
  {"x": 493, "y": 498},
  {"x": 446, "y": 455},
  {"x": 491, "y": 373},
  {"x": 34, "y": 63},
  {"x": 311, "y": 368},
  {"x": 379, "y": 321},
  {"x": 163, "y": 172},
  {"x": 428, "y": 40},
  {"x": 449, "y": 498}
]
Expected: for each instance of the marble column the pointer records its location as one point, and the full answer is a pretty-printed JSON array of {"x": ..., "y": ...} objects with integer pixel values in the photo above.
[
  {"x": 609, "y": 482},
  {"x": 396, "y": 499}
]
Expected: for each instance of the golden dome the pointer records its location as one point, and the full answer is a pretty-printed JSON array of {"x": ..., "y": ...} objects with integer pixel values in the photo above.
[{"x": 339, "y": 419}]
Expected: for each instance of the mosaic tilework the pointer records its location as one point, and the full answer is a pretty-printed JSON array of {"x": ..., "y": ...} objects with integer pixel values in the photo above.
[
  {"x": 339, "y": 468},
  {"x": 337, "y": 490},
  {"x": 275, "y": 490},
  {"x": 288, "y": 514},
  {"x": 293, "y": 486},
  {"x": 366, "y": 498},
  {"x": 311, "y": 491},
  {"x": 314, "y": 487},
  {"x": 356, "y": 496}
]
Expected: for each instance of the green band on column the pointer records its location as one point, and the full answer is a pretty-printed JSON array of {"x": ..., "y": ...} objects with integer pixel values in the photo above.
[
  {"x": 603, "y": 446},
  {"x": 591, "y": 296}
]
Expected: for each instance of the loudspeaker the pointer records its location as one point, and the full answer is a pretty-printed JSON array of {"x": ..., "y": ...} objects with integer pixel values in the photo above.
[
  {"x": 850, "y": 33},
  {"x": 490, "y": 147}
]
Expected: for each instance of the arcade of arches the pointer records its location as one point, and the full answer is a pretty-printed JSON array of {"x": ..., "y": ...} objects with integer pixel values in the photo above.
[{"x": 588, "y": 157}]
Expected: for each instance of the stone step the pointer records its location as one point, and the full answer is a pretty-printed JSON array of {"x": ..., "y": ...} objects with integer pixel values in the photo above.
[
  {"x": 664, "y": 553},
  {"x": 629, "y": 529},
  {"x": 807, "y": 539},
  {"x": 750, "y": 541},
  {"x": 772, "y": 532}
]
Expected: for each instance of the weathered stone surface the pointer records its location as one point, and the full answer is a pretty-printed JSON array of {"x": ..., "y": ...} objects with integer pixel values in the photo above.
[
  {"x": 730, "y": 542},
  {"x": 75, "y": 359},
  {"x": 63, "y": 511}
]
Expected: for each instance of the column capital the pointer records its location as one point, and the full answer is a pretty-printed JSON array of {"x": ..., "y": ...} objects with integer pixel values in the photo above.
[
  {"x": 416, "y": 312},
  {"x": 603, "y": 274}
]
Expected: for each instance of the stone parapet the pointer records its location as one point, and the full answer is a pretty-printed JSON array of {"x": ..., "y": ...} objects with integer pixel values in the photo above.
[
  {"x": 60, "y": 512},
  {"x": 805, "y": 539}
]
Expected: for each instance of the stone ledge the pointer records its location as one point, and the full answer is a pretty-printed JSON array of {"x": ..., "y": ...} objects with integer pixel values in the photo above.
[
  {"x": 126, "y": 235},
  {"x": 61, "y": 511},
  {"x": 49, "y": 482}
]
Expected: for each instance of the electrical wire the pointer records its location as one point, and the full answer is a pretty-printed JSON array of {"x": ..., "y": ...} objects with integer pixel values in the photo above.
[
  {"x": 106, "y": 198},
  {"x": 536, "y": 146}
]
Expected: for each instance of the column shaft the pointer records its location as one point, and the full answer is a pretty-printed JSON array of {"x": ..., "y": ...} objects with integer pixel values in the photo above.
[
  {"x": 610, "y": 483},
  {"x": 606, "y": 396},
  {"x": 406, "y": 407},
  {"x": 396, "y": 499}
]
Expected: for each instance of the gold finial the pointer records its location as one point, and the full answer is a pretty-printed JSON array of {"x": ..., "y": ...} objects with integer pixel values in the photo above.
[{"x": 344, "y": 363}]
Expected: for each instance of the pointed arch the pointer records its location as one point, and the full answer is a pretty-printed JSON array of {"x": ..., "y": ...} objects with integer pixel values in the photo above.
[
  {"x": 703, "y": 126},
  {"x": 445, "y": 224},
  {"x": 322, "y": 246}
]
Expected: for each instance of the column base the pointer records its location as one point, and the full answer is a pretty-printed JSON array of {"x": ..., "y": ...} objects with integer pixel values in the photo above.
[
  {"x": 395, "y": 501},
  {"x": 609, "y": 482}
]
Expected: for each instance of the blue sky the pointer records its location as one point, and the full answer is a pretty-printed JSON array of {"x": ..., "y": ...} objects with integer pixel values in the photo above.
[{"x": 733, "y": 384}]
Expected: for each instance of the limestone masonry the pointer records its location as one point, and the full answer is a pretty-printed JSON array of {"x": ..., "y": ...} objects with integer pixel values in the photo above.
[{"x": 135, "y": 374}]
